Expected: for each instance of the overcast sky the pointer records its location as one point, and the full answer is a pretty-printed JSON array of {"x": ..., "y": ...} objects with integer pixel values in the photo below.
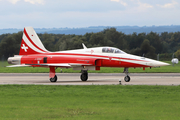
[{"x": 85, "y": 13}]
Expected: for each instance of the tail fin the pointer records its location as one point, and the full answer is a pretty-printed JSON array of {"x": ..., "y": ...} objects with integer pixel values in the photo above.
[{"x": 31, "y": 44}]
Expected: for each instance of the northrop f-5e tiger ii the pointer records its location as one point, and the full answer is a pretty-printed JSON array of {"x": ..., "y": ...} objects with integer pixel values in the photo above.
[{"x": 34, "y": 54}]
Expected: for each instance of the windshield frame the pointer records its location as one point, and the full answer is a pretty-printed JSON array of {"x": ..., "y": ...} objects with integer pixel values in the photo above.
[{"x": 112, "y": 50}]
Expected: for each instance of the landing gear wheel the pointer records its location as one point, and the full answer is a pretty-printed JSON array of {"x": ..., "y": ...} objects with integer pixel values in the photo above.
[
  {"x": 54, "y": 79},
  {"x": 127, "y": 78},
  {"x": 84, "y": 76}
]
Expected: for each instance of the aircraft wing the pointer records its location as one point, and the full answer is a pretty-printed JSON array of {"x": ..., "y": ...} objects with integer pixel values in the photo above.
[
  {"x": 42, "y": 65},
  {"x": 47, "y": 65},
  {"x": 23, "y": 65},
  {"x": 74, "y": 64},
  {"x": 66, "y": 65},
  {"x": 52, "y": 65}
]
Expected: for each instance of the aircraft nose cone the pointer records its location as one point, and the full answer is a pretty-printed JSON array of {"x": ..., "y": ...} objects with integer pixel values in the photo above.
[
  {"x": 158, "y": 63},
  {"x": 163, "y": 64}
]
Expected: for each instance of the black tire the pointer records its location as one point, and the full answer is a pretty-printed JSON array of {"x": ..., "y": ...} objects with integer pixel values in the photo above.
[
  {"x": 84, "y": 77},
  {"x": 54, "y": 79},
  {"x": 127, "y": 78}
]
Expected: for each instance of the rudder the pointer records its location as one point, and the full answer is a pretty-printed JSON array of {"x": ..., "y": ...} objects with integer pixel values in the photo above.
[{"x": 31, "y": 44}]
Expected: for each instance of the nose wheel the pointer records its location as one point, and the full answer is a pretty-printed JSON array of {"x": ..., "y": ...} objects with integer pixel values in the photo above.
[{"x": 126, "y": 78}]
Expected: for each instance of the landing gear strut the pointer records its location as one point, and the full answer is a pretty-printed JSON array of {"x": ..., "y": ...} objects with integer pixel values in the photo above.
[
  {"x": 52, "y": 74},
  {"x": 84, "y": 75},
  {"x": 126, "y": 78},
  {"x": 54, "y": 79}
]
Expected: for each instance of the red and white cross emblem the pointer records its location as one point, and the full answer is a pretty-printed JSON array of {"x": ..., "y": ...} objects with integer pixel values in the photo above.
[{"x": 24, "y": 47}]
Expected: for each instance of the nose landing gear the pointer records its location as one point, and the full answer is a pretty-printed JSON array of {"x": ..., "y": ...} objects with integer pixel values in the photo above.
[{"x": 126, "y": 78}]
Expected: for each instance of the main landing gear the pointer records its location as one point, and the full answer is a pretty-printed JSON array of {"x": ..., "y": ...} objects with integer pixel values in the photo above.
[
  {"x": 126, "y": 78},
  {"x": 84, "y": 75},
  {"x": 52, "y": 74},
  {"x": 54, "y": 79}
]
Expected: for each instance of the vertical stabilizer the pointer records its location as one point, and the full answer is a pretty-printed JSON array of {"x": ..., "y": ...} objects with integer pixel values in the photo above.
[{"x": 31, "y": 44}]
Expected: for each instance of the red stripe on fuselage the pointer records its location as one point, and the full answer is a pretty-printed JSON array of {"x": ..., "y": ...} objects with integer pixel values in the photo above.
[
  {"x": 90, "y": 55},
  {"x": 73, "y": 58}
]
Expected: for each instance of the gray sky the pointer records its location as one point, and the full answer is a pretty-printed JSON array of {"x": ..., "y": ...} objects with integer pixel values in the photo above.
[{"x": 85, "y": 13}]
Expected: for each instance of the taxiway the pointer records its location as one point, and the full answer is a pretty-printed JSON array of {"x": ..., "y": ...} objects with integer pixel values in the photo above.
[{"x": 93, "y": 79}]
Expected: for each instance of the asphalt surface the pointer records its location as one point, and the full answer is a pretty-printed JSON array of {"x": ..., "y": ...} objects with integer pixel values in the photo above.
[{"x": 93, "y": 79}]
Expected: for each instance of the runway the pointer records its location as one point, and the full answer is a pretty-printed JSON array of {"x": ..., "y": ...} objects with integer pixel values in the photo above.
[{"x": 93, "y": 79}]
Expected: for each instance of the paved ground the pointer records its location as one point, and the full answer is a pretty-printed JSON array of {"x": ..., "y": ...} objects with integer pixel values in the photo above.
[{"x": 94, "y": 79}]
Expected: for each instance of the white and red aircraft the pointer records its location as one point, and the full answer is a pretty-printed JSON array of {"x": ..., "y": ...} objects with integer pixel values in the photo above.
[{"x": 33, "y": 53}]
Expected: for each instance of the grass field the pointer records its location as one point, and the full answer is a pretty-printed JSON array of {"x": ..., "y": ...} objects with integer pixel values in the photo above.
[
  {"x": 19, "y": 102},
  {"x": 163, "y": 69}
]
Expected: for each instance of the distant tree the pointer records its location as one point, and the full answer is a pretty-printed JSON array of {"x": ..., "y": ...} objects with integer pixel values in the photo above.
[
  {"x": 76, "y": 42},
  {"x": 136, "y": 51},
  {"x": 63, "y": 43},
  {"x": 155, "y": 41},
  {"x": 133, "y": 41},
  {"x": 8, "y": 47},
  {"x": 177, "y": 53},
  {"x": 145, "y": 46},
  {"x": 151, "y": 53},
  {"x": 97, "y": 39},
  {"x": 147, "y": 49},
  {"x": 48, "y": 41}
]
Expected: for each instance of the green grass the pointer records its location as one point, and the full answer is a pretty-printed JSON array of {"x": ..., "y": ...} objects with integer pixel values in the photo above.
[
  {"x": 163, "y": 69},
  {"x": 109, "y": 102}
]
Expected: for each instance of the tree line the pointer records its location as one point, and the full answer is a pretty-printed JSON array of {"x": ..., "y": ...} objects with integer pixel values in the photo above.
[{"x": 149, "y": 45}]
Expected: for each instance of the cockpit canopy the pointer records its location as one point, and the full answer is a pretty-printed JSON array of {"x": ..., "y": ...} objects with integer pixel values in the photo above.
[{"x": 112, "y": 50}]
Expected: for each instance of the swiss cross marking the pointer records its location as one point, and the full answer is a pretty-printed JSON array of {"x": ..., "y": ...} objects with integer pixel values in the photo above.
[{"x": 24, "y": 47}]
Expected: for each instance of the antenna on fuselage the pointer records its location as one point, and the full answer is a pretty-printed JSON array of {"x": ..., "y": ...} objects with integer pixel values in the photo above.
[{"x": 84, "y": 46}]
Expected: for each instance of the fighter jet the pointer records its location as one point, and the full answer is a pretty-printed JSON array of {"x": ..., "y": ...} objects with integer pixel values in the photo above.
[{"x": 34, "y": 54}]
